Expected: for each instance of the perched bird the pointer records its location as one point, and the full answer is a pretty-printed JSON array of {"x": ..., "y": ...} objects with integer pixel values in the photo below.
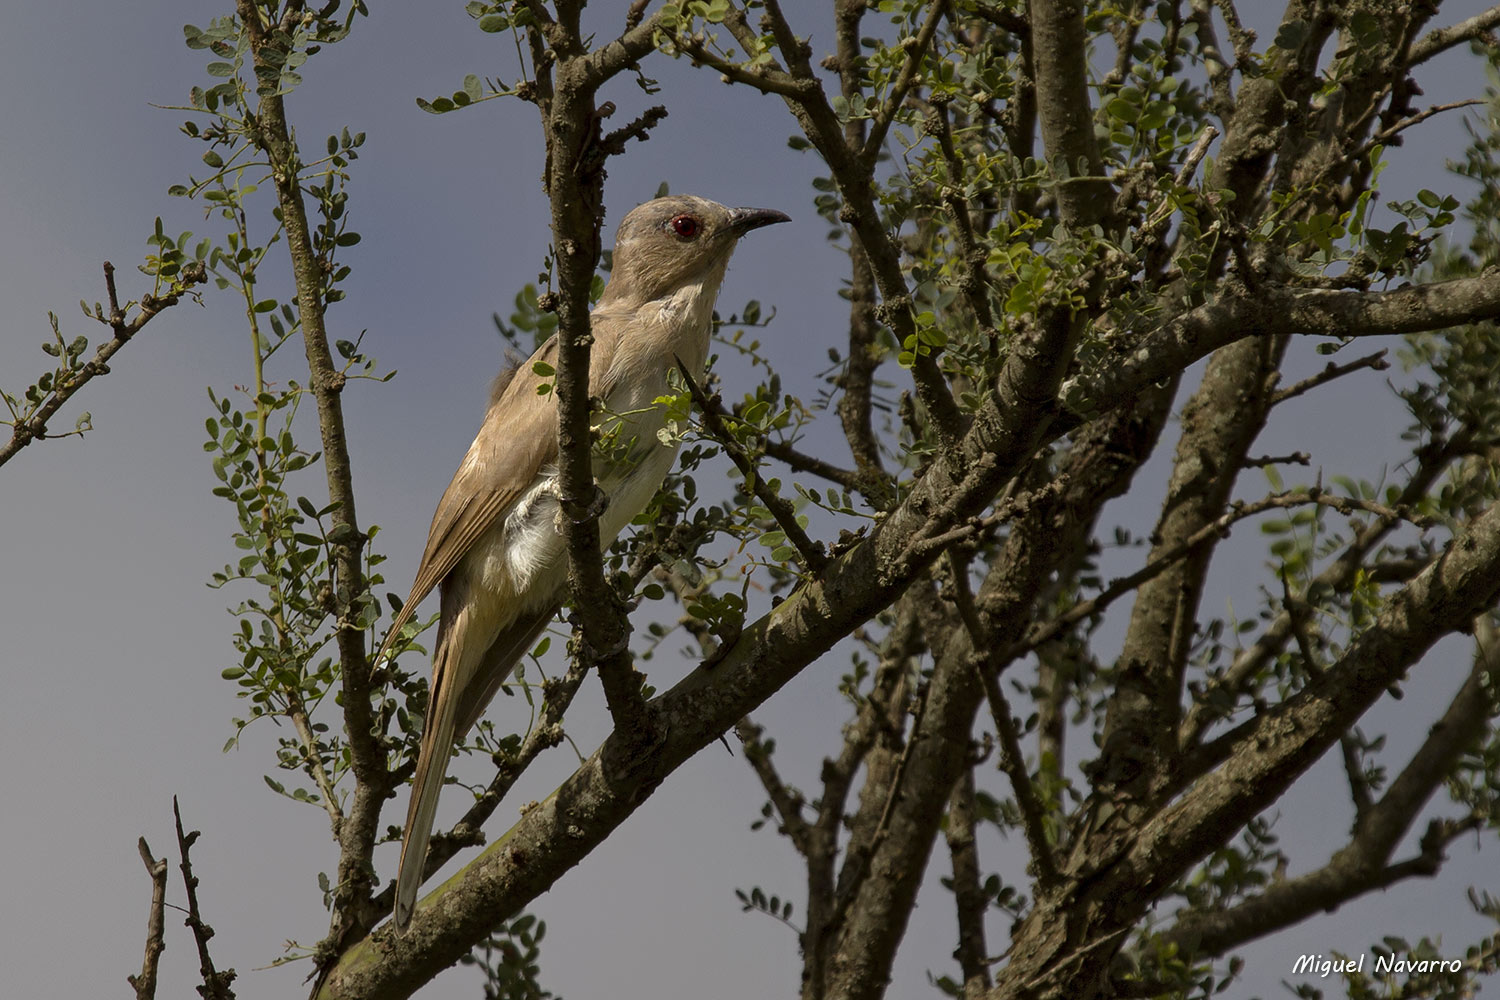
[{"x": 495, "y": 550}]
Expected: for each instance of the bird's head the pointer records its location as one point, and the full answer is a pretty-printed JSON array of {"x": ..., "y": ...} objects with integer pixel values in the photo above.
[{"x": 670, "y": 243}]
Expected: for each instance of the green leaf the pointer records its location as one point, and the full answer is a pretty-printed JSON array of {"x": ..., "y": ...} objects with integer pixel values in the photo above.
[{"x": 220, "y": 69}]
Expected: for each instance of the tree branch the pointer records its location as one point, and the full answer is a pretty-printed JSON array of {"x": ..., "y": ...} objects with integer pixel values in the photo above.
[
  {"x": 916, "y": 50},
  {"x": 1364, "y": 863},
  {"x": 156, "y": 943},
  {"x": 968, "y": 898},
  {"x": 788, "y": 804},
  {"x": 1442, "y": 39},
  {"x": 216, "y": 985},
  {"x": 68, "y": 380},
  {"x": 812, "y": 555},
  {"x": 373, "y": 780}
]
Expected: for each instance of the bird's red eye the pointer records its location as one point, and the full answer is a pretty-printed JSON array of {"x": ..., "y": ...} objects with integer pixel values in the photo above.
[{"x": 685, "y": 226}]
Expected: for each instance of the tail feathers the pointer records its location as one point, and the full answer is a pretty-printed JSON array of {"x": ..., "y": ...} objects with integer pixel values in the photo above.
[{"x": 426, "y": 786}]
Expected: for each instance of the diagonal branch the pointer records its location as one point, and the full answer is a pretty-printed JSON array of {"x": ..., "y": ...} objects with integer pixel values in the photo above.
[
  {"x": 916, "y": 50},
  {"x": 34, "y": 426},
  {"x": 1364, "y": 863},
  {"x": 788, "y": 803},
  {"x": 1441, "y": 39},
  {"x": 811, "y": 552}
]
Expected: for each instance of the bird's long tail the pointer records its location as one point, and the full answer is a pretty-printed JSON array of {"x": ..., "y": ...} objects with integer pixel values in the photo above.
[{"x": 427, "y": 784}]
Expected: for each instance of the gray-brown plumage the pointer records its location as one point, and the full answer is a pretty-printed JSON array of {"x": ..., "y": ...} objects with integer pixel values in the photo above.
[{"x": 494, "y": 550}]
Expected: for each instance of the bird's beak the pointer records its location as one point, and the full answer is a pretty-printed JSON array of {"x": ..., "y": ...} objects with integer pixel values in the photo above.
[{"x": 742, "y": 220}]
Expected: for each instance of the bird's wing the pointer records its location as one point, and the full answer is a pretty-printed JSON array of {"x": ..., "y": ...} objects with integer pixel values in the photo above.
[{"x": 516, "y": 441}]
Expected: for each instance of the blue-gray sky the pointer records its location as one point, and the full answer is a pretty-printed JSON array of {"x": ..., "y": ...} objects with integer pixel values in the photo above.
[{"x": 113, "y": 645}]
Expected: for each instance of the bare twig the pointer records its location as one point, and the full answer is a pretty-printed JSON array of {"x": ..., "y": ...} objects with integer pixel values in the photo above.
[
  {"x": 1238, "y": 511},
  {"x": 1385, "y": 135},
  {"x": 1261, "y": 461},
  {"x": 1013, "y": 763},
  {"x": 156, "y": 943},
  {"x": 803, "y": 462},
  {"x": 216, "y": 985},
  {"x": 788, "y": 803}
]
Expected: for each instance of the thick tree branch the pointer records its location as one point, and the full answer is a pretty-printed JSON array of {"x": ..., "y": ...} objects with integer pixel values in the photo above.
[
  {"x": 1289, "y": 737},
  {"x": 1364, "y": 863},
  {"x": 1442, "y": 39},
  {"x": 1276, "y": 309},
  {"x": 1060, "y": 54},
  {"x": 1219, "y": 423},
  {"x": 1269, "y": 753}
]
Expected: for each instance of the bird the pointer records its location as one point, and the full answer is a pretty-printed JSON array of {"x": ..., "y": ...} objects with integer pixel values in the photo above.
[{"x": 495, "y": 551}]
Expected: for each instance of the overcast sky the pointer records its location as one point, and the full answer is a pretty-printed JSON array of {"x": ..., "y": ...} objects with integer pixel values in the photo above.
[{"x": 113, "y": 646}]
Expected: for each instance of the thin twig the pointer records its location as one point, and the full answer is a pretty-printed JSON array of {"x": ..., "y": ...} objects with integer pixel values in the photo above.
[
  {"x": 313, "y": 760},
  {"x": 802, "y": 462},
  {"x": 216, "y": 985},
  {"x": 973, "y": 256},
  {"x": 1359, "y": 788},
  {"x": 916, "y": 51},
  {"x": 1012, "y": 760},
  {"x": 788, "y": 803},
  {"x": 813, "y": 557},
  {"x": 1331, "y": 371},
  {"x": 1385, "y": 135},
  {"x": 1239, "y": 510},
  {"x": 1261, "y": 461},
  {"x": 34, "y": 427}
]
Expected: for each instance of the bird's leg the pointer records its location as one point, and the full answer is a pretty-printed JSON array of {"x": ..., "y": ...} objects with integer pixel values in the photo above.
[{"x": 598, "y": 504}]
